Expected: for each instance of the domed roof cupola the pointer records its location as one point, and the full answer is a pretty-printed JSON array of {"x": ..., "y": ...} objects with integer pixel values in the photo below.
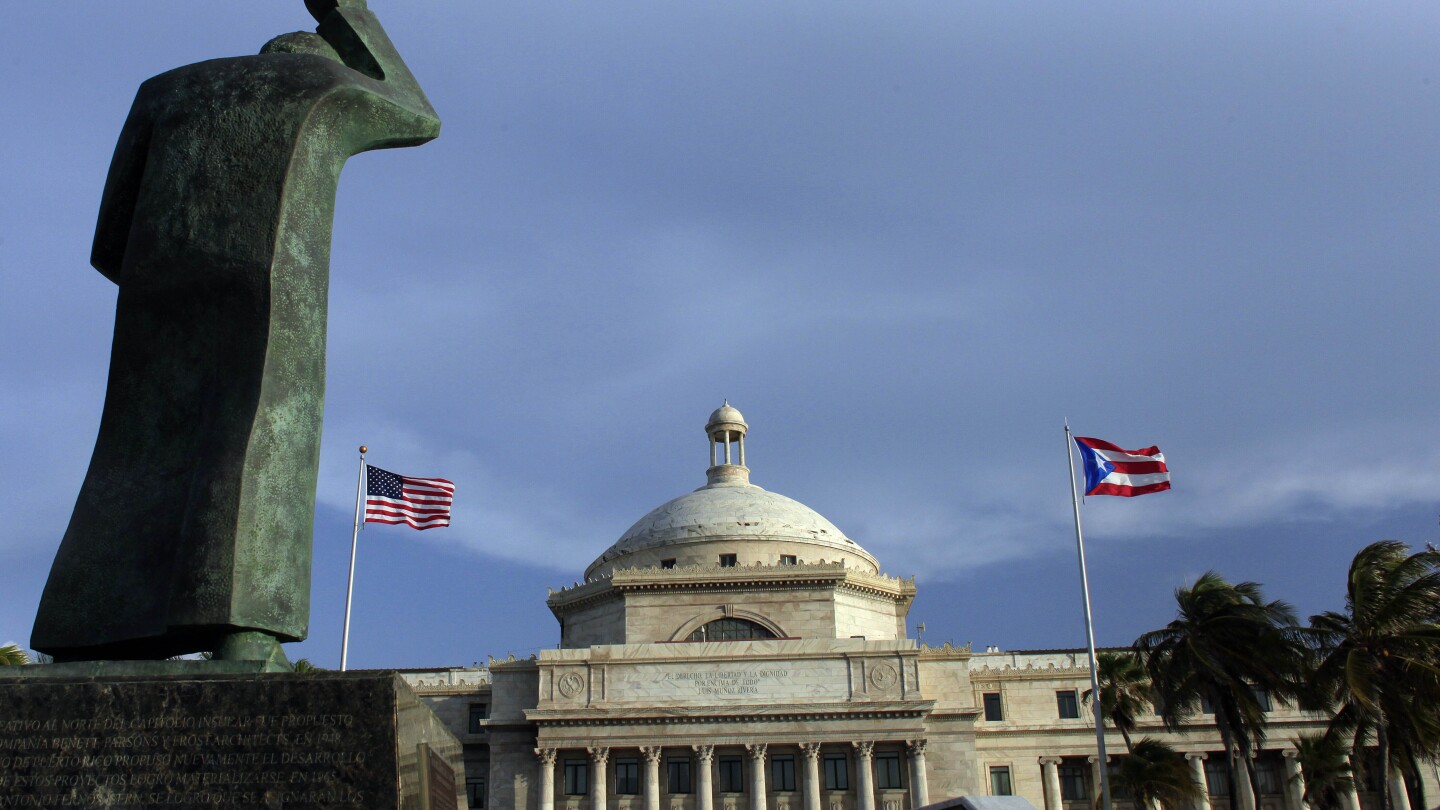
[
  {"x": 732, "y": 517},
  {"x": 725, "y": 427}
]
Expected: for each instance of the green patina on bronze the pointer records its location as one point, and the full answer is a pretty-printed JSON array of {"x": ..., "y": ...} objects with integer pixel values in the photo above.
[{"x": 192, "y": 530}]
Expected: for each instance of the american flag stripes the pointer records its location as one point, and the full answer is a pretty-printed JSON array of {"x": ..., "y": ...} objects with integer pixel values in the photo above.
[
  {"x": 1110, "y": 470},
  {"x": 422, "y": 503}
]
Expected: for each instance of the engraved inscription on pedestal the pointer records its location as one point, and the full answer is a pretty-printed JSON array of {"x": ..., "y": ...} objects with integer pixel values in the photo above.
[{"x": 291, "y": 741}]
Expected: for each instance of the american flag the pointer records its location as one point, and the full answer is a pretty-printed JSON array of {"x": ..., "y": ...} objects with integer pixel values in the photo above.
[{"x": 423, "y": 503}]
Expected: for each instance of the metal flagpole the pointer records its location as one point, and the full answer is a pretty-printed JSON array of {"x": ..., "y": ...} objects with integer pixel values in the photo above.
[
  {"x": 354, "y": 542},
  {"x": 1089, "y": 627}
]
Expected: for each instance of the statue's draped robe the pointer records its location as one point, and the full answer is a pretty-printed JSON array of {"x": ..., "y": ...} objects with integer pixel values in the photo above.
[{"x": 196, "y": 513}]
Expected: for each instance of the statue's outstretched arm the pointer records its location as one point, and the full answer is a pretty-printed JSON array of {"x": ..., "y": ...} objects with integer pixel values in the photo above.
[
  {"x": 122, "y": 190},
  {"x": 356, "y": 34}
]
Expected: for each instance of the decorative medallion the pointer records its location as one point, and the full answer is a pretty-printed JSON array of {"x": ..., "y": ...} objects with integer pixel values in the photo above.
[
  {"x": 884, "y": 676},
  {"x": 570, "y": 684}
]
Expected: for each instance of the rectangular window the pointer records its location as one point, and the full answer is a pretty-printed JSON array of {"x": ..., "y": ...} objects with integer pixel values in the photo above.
[
  {"x": 728, "y": 560},
  {"x": 1268, "y": 773},
  {"x": 1262, "y": 697},
  {"x": 475, "y": 792},
  {"x": 627, "y": 777},
  {"x": 678, "y": 771},
  {"x": 670, "y": 563},
  {"x": 1000, "y": 780},
  {"x": 992, "y": 706},
  {"x": 732, "y": 775},
  {"x": 1217, "y": 775},
  {"x": 1068, "y": 704},
  {"x": 1072, "y": 783},
  {"x": 1206, "y": 706},
  {"x": 577, "y": 777},
  {"x": 782, "y": 773},
  {"x": 837, "y": 772},
  {"x": 1118, "y": 788},
  {"x": 887, "y": 770},
  {"x": 479, "y": 713},
  {"x": 788, "y": 559}
]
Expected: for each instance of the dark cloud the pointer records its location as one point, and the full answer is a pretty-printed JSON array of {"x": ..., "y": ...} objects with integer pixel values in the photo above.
[{"x": 906, "y": 241}]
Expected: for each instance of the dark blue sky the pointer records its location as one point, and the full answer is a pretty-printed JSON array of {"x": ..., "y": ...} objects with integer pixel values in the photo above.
[{"x": 906, "y": 240}]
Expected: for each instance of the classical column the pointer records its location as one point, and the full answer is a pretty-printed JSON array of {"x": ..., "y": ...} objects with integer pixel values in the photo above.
[
  {"x": 1197, "y": 772},
  {"x": 1399, "y": 796},
  {"x": 811, "y": 754},
  {"x": 1095, "y": 784},
  {"x": 598, "y": 758},
  {"x": 919, "y": 787},
  {"x": 1350, "y": 798},
  {"x": 864, "y": 775},
  {"x": 651, "y": 753},
  {"x": 704, "y": 769},
  {"x": 1244, "y": 788},
  {"x": 757, "y": 775},
  {"x": 1050, "y": 769},
  {"x": 547, "y": 778},
  {"x": 1294, "y": 781}
]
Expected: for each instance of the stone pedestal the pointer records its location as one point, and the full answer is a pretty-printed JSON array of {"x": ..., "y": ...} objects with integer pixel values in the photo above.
[{"x": 83, "y": 735}]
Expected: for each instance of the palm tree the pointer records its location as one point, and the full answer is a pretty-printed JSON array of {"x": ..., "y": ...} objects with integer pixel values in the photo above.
[
  {"x": 1324, "y": 770},
  {"x": 12, "y": 656},
  {"x": 304, "y": 665},
  {"x": 1227, "y": 648},
  {"x": 1153, "y": 774},
  {"x": 1124, "y": 691},
  {"x": 1379, "y": 661}
]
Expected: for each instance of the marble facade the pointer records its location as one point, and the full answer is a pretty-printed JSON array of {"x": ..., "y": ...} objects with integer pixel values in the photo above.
[{"x": 734, "y": 650}]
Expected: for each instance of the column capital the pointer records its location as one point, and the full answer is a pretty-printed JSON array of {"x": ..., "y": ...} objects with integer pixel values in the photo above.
[
  {"x": 916, "y": 748},
  {"x": 1290, "y": 753},
  {"x": 1049, "y": 760},
  {"x": 810, "y": 750},
  {"x": 599, "y": 755},
  {"x": 1196, "y": 755},
  {"x": 704, "y": 753},
  {"x": 545, "y": 755},
  {"x": 755, "y": 750},
  {"x": 1094, "y": 759},
  {"x": 651, "y": 753},
  {"x": 864, "y": 748}
]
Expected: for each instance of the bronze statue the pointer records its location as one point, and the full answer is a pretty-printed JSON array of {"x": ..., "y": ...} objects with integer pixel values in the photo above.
[{"x": 192, "y": 530}]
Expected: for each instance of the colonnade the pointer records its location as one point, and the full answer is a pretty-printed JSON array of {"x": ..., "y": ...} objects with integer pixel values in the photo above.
[{"x": 757, "y": 756}]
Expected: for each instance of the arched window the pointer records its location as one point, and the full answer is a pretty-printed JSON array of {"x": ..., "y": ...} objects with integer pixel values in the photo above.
[{"x": 730, "y": 630}]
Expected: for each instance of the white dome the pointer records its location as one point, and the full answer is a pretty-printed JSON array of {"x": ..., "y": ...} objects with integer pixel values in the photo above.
[{"x": 728, "y": 514}]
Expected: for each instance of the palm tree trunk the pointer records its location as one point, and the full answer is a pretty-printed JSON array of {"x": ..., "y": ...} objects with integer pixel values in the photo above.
[
  {"x": 1225, "y": 740},
  {"x": 1382, "y": 742},
  {"x": 1129, "y": 746}
]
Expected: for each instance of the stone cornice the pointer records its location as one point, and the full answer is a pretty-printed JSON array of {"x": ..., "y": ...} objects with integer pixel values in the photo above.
[
  {"x": 947, "y": 652},
  {"x": 607, "y": 715},
  {"x": 986, "y": 673},
  {"x": 716, "y": 577}
]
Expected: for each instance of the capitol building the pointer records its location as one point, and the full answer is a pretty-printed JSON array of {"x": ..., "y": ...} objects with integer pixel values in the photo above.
[{"x": 735, "y": 650}]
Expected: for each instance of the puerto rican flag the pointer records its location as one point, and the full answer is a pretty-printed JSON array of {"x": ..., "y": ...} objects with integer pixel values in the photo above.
[{"x": 1112, "y": 471}]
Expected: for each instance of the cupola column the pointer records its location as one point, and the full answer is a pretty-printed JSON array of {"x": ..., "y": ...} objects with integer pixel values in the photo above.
[{"x": 726, "y": 426}]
